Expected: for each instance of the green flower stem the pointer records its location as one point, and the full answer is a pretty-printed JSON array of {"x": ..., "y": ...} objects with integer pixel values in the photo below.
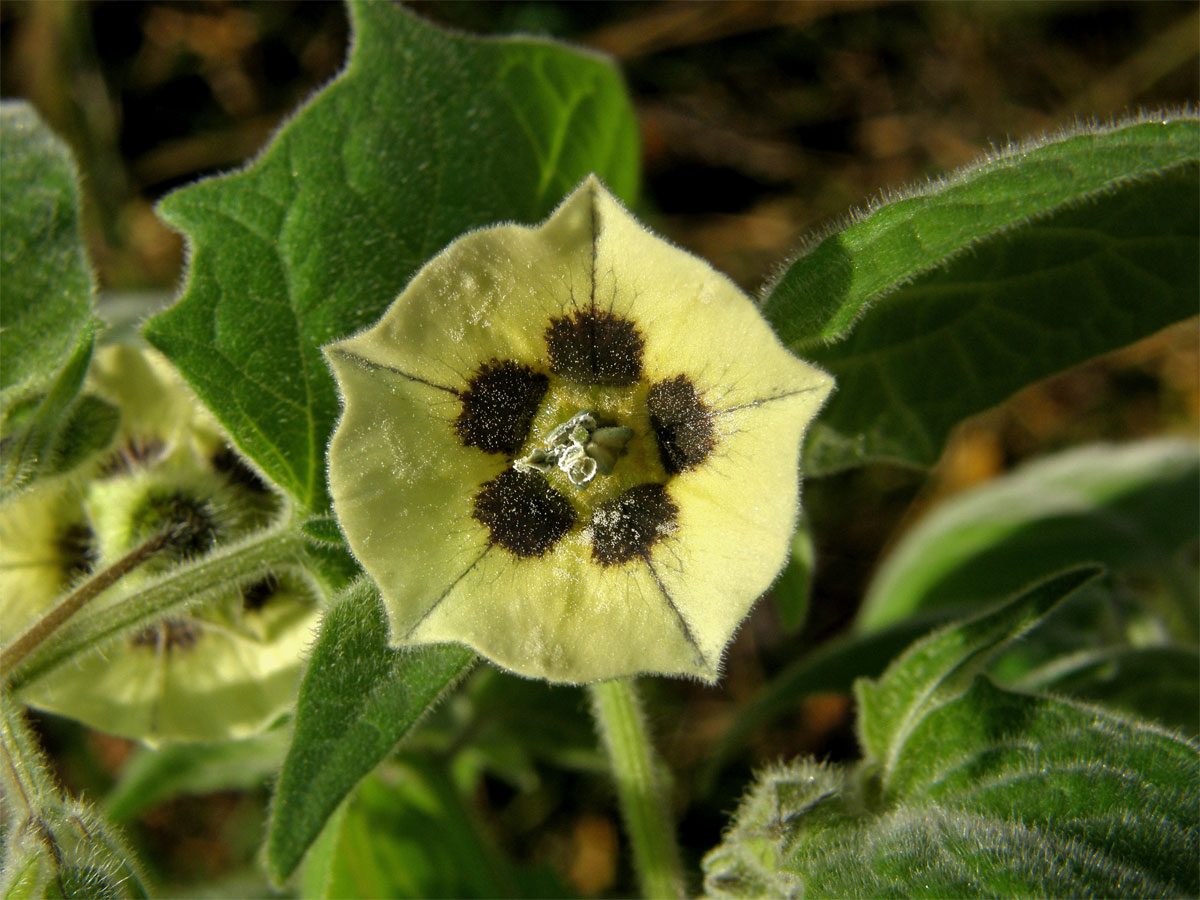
[
  {"x": 622, "y": 728},
  {"x": 172, "y": 592},
  {"x": 74, "y": 601}
]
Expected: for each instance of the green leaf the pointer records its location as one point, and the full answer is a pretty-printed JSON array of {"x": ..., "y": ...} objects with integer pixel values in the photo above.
[
  {"x": 950, "y": 298},
  {"x": 424, "y": 136},
  {"x": 52, "y": 433},
  {"x": 1002, "y": 795},
  {"x": 821, "y": 296},
  {"x": 1134, "y": 507},
  {"x": 971, "y": 790},
  {"x": 942, "y": 664},
  {"x": 45, "y": 280},
  {"x": 1156, "y": 682},
  {"x": 89, "y": 428},
  {"x": 46, "y": 321},
  {"x": 407, "y": 833},
  {"x": 359, "y": 698},
  {"x": 1138, "y": 784},
  {"x": 792, "y": 590},
  {"x": 153, "y": 776}
]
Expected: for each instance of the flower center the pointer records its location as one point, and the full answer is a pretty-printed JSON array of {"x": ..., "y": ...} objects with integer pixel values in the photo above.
[{"x": 580, "y": 448}]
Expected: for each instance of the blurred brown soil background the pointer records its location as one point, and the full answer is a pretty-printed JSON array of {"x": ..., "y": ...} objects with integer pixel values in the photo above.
[{"x": 761, "y": 122}]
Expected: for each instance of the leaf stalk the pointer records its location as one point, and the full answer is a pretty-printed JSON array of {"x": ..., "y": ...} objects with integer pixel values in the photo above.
[
  {"x": 75, "y": 601},
  {"x": 170, "y": 593}
]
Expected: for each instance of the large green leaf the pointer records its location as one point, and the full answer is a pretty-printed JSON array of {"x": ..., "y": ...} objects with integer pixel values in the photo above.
[
  {"x": 424, "y": 136},
  {"x": 45, "y": 280},
  {"x": 1134, "y": 508},
  {"x": 46, "y": 322},
  {"x": 970, "y": 790},
  {"x": 1006, "y": 795},
  {"x": 940, "y": 303},
  {"x": 358, "y": 699}
]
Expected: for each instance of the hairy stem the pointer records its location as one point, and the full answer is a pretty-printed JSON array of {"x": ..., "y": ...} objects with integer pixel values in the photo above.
[
  {"x": 23, "y": 774},
  {"x": 172, "y": 592},
  {"x": 74, "y": 601},
  {"x": 631, "y": 756},
  {"x": 51, "y": 839}
]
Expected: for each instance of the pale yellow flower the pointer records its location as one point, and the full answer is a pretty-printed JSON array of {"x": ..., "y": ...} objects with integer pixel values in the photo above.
[
  {"x": 226, "y": 671},
  {"x": 573, "y": 447}
]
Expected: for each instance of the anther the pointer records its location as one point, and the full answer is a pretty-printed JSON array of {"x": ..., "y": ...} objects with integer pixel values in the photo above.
[{"x": 579, "y": 448}]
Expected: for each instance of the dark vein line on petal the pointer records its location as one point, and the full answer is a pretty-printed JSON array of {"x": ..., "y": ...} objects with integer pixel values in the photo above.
[
  {"x": 368, "y": 364},
  {"x": 446, "y": 593},
  {"x": 595, "y": 217},
  {"x": 687, "y": 631},
  {"x": 765, "y": 400}
]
